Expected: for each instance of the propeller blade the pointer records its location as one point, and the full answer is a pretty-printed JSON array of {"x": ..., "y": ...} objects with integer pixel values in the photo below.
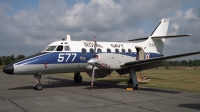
[
  {"x": 93, "y": 68},
  {"x": 93, "y": 72},
  {"x": 95, "y": 45}
]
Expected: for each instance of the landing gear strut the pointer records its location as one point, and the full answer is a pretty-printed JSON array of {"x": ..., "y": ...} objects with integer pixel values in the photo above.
[
  {"x": 77, "y": 78},
  {"x": 133, "y": 82},
  {"x": 37, "y": 85}
]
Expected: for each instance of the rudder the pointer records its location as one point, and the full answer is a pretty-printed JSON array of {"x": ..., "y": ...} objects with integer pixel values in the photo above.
[{"x": 156, "y": 45}]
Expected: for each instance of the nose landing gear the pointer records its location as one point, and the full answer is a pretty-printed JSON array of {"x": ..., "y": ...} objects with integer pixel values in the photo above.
[{"x": 37, "y": 85}]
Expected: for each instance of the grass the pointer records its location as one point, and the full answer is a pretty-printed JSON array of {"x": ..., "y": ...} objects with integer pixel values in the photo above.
[
  {"x": 173, "y": 79},
  {"x": 1, "y": 68}
]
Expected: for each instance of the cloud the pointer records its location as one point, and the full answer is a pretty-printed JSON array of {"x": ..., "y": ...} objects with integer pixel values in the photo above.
[
  {"x": 28, "y": 31},
  {"x": 187, "y": 22}
]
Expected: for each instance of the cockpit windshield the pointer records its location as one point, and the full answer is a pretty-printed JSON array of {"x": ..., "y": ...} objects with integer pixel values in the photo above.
[
  {"x": 57, "y": 48},
  {"x": 51, "y": 48}
]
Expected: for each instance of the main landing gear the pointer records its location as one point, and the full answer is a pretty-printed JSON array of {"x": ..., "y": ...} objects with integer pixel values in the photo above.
[
  {"x": 37, "y": 85},
  {"x": 77, "y": 78},
  {"x": 133, "y": 82}
]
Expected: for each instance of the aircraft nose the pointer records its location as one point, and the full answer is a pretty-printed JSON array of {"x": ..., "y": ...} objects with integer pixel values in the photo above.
[{"x": 9, "y": 69}]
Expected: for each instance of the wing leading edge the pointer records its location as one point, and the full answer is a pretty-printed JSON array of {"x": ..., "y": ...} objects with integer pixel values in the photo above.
[{"x": 157, "y": 59}]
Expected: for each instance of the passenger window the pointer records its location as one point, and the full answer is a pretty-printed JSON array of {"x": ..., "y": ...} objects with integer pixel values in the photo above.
[
  {"x": 84, "y": 51},
  {"x": 99, "y": 50},
  {"x": 67, "y": 48},
  {"x": 129, "y": 51},
  {"x": 92, "y": 51},
  {"x": 51, "y": 48},
  {"x": 108, "y": 50},
  {"x": 117, "y": 50},
  {"x": 123, "y": 51}
]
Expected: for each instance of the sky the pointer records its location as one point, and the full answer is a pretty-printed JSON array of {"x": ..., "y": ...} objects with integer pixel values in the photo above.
[{"x": 27, "y": 26}]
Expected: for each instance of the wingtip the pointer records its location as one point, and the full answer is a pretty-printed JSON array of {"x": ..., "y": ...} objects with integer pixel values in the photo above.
[{"x": 191, "y": 35}]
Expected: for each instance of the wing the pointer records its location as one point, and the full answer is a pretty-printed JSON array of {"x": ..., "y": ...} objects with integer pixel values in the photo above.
[
  {"x": 158, "y": 59},
  {"x": 118, "y": 61}
]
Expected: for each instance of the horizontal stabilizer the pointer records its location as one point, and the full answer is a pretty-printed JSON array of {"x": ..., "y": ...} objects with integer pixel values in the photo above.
[
  {"x": 145, "y": 38},
  {"x": 160, "y": 37},
  {"x": 158, "y": 59},
  {"x": 170, "y": 36}
]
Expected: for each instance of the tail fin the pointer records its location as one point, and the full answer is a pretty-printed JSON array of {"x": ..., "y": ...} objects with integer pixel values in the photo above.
[
  {"x": 155, "y": 42},
  {"x": 156, "y": 45},
  {"x": 161, "y": 29}
]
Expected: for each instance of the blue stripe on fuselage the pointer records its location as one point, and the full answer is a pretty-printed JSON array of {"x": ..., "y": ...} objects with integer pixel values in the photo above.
[
  {"x": 153, "y": 55},
  {"x": 66, "y": 57}
]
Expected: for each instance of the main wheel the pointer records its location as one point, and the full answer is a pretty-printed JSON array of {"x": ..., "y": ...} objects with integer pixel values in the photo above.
[
  {"x": 130, "y": 83},
  {"x": 136, "y": 87},
  {"x": 77, "y": 78},
  {"x": 34, "y": 86}
]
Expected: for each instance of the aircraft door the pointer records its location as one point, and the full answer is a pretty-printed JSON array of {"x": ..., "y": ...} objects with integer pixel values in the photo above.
[{"x": 140, "y": 53}]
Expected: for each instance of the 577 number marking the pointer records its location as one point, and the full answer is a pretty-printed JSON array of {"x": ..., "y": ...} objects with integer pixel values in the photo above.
[{"x": 65, "y": 57}]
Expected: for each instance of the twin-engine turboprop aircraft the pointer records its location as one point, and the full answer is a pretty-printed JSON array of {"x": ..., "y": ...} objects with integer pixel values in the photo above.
[{"x": 97, "y": 59}]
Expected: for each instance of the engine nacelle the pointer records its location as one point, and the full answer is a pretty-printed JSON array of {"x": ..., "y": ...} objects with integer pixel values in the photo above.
[
  {"x": 100, "y": 73},
  {"x": 123, "y": 71},
  {"x": 113, "y": 60}
]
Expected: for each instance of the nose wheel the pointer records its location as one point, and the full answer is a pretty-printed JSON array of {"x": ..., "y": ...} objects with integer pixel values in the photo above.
[{"x": 37, "y": 85}]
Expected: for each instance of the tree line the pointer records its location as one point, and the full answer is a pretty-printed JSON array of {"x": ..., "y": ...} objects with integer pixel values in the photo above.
[
  {"x": 186, "y": 63},
  {"x": 5, "y": 60}
]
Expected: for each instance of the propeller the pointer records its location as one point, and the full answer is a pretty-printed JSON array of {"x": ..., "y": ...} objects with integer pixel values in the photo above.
[{"x": 93, "y": 67}]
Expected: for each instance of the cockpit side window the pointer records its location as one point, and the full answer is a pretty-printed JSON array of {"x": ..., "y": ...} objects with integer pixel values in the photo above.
[
  {"x": 51, "y": 48},
  {"x": 46, "y": 48},
  {"x": 67, "y": 48},
  {"x": 59, "y": 48}
]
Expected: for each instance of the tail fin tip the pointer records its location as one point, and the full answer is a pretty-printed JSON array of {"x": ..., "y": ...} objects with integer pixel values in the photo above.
[{"x": 161, "y": 29}]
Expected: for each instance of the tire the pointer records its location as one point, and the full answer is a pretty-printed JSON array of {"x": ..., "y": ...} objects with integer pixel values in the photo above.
[
  {"x": 38, "y": 87},
  {"x": 130, "y": 83},
  {"x": 77, "y": 78}
]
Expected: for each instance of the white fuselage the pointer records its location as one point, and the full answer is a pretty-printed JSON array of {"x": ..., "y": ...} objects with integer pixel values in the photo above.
[{"x": 68, "y": 59}]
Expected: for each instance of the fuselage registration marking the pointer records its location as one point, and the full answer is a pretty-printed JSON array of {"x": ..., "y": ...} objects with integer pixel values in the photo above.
[{"x": 66, "y": 56}]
